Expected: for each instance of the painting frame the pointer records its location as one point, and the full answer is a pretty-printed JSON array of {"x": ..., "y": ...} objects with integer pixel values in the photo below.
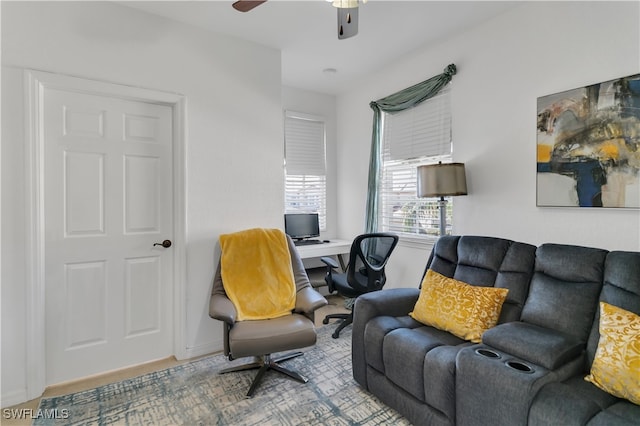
[{"x": 588, "y": 146}]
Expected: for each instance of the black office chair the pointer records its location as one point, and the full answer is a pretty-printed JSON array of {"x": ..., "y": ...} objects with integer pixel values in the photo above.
[{"x": 365, "y": 272}]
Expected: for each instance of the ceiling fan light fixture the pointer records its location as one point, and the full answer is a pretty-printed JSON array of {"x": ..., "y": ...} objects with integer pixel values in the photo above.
[{"x": 347, "y": 4}]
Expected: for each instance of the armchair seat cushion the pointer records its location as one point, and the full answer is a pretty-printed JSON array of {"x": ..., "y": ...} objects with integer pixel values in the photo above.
[{"x": 249, "y": 338}]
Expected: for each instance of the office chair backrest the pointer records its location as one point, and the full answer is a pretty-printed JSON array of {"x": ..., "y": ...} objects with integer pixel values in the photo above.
[{"x": 367, "y": 260}]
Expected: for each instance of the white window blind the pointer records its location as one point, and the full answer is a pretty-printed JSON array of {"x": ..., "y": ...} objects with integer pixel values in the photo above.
[
  {"x": 305, "y": 165},
  {"x": 419, "y": 135}
]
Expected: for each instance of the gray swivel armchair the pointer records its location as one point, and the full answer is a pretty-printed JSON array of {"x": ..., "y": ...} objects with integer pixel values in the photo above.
[
  {"x": 365, "y": 272},
  {"x": 262, "y": 338}
]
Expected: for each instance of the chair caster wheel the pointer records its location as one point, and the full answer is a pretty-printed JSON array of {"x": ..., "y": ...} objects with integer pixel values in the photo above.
[
  {"x": 335, "y": 335},
  {"x": 325, "y": 321}
]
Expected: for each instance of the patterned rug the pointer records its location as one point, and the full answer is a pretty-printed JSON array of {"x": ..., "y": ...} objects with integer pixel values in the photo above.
[{"x": 194, "y": 394}]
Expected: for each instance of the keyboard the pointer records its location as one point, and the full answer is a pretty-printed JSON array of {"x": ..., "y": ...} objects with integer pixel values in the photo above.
[{"x": 307, "y": 242}]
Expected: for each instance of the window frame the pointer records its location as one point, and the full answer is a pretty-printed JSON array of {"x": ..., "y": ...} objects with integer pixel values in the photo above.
[
  {"x": 302, "y": 180},
  {"x": 440, "y": 151}
]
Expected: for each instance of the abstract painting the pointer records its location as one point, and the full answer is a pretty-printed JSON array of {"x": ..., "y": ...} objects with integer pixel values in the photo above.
[{"x": 588, "y": 146}]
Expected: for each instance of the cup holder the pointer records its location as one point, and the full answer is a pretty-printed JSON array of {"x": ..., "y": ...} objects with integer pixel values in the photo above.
[
  {"x": 488, "y": 353},
  {"x": 516, "y": 365}
]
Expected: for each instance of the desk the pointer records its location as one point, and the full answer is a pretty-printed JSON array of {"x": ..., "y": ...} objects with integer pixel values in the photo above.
[{"x": 333, "y": 248}]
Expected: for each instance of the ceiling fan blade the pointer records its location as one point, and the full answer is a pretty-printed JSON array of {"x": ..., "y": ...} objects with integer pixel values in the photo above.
[{"x": 247, "y": 5}]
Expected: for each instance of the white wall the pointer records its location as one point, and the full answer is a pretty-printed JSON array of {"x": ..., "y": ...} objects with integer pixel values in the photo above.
[
  {"x": 504, "y": 65},
  {"x": 234, "y": 125}
]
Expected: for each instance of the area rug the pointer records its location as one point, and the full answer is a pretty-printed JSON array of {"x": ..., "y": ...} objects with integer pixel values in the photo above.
[{"x": 194, "y": 394}]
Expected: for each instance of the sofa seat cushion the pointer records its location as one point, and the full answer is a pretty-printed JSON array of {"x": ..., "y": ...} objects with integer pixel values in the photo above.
[
  {"x": 404, "y": 351},
  {"x": 375, "y": 332},
  {"x": 577, "y": 402},
  {"x": 538, "y": 345},
  {"x": 622, "y": 413},
  {"x": 397, "y": 347}
]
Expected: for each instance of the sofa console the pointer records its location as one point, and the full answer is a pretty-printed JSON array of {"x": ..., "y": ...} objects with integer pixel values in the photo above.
[{"x": 530, "y": 363}]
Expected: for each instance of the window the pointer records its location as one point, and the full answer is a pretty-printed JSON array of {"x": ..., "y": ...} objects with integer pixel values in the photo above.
[
  {"x": 416, "y": 136},
  {"x": 305, "y": 165}
]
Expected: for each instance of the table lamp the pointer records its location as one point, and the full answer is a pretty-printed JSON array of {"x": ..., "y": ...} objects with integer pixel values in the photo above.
[{"x": 442, "y": 180}]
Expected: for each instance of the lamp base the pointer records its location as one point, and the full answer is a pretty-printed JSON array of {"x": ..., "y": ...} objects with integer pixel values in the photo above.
[{"x": 442, "y": 204}]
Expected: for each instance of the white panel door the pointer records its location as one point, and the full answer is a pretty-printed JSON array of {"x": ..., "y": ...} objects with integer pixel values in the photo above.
[{"x": 108, "y": 200}]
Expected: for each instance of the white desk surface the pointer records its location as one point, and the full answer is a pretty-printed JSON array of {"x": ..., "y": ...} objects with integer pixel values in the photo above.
[{"x": 335, "y": 247}]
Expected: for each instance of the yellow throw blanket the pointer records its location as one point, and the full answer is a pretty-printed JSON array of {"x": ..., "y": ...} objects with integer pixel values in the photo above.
[{"x": 257, "y": 274}]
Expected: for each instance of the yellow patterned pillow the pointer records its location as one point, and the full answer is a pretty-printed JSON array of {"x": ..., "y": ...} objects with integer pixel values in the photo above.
[
  {"x": 616, "y": 367},
  {"x": 464, "y": 310}
]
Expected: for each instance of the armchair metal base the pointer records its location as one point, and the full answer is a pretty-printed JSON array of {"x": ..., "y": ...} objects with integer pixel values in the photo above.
[
  {"x": 346, "y": 320},
  {"x": 265, "y": 363}
]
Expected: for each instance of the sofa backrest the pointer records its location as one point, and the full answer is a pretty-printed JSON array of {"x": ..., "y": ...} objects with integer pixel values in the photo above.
[
  {"x": 565, "y": 287},
  {"x": 487, "y": 262},
  {"x": 621, "y": 288}
]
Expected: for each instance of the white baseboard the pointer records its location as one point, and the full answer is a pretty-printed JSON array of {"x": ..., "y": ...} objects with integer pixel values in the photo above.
[
  {"x": 7, "y": 399},
  {"x": 205, "y": 349}
]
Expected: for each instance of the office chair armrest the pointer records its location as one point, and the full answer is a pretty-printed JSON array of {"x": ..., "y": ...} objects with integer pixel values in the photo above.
[
  {"x": 308, "y": 300},
  {"x": 221, "y": 308},
  {"x": 331, "y": 265},
  {"x": 330, "y": 262}
]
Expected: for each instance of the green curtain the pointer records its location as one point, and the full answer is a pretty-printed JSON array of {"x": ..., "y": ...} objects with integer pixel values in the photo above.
[{"x": 399, "y": 101}]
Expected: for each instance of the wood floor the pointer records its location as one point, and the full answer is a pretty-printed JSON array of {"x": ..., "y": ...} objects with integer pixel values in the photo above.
[{"x": 336, "y": 305}]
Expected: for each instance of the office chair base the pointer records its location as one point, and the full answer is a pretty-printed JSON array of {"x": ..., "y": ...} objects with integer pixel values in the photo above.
[
  {"x": 346, "y": 320},
  {"x": 265, "y": 363}
]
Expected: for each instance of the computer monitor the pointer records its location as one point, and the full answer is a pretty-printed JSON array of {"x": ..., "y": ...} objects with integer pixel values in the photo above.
[{"x": 301, "y": 225}]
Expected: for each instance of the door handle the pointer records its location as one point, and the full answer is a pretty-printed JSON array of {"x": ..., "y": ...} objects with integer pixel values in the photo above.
[{"x": 165, "y": 244}]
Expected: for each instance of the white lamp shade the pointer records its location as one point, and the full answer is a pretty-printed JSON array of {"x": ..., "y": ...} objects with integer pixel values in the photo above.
[
  {"x": 441, "y": 180},
  {"x": 347, "y": 4}
]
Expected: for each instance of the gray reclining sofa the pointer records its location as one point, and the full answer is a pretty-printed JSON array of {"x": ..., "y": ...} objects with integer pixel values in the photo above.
[{"x": 530, "y": 368}]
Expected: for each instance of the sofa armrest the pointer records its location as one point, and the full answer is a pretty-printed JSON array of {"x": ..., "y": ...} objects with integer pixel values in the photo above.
[
  {"x": 394, "y": 302},
  {"x": 221, "y": 308},
  {"x": 539, "y": 345},
  {"x": 308, "y": 300}
]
